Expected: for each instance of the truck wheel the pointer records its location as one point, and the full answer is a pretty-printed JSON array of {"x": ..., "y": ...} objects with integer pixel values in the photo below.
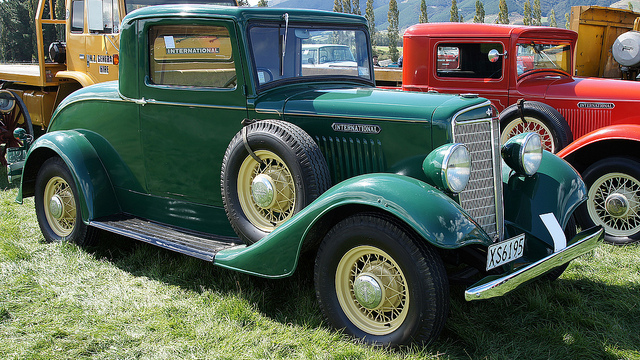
[
  {"x": 614, "y": 199},
  {"x": 569, "y": 233},
  {"x": 13, "y": 114},
  {"x": 380, "y": 283},
  {"x": 260, "y": 196},
  {"x": 57, "y": 205},
  {"x": 540, "y": 118}
]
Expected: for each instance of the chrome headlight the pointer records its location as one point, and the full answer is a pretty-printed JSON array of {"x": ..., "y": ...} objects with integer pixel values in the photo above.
[
  {"x": 523, "y": 153},
  {"x": 448, "y": 167}
]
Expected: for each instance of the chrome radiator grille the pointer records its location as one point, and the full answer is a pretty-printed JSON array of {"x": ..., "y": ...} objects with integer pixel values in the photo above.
[{"x": 482, "y": 198}]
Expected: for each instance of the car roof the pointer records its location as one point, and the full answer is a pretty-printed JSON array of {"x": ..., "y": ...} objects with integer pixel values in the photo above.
[
  {"x": 243, "y": 14},
  {"x": 473, "y": 30}
]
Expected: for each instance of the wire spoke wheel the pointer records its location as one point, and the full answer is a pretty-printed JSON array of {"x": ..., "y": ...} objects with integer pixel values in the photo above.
[
  {"x": 60, "y": 206},
  {"x": 540, "y": 118},
  {"x": 517, "y": 127},
  {"x": 614, "y": 203},
  {"x": 372, "y": 290},
  {"x": 266, "y": 190}
]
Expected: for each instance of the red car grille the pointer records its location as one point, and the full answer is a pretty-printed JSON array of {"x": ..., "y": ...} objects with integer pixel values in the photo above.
[{"x": 583, "y": 121}]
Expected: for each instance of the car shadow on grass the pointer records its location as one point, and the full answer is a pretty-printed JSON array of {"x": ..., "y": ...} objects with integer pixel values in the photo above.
[
  {"x": 288, "y": 300},
  {"x": 559, "y": 320}
]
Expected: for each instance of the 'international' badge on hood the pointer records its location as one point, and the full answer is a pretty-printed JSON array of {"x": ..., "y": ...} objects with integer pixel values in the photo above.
[
  {"x": 356, "y": 128},
  {"x": 596, "y": 105}
]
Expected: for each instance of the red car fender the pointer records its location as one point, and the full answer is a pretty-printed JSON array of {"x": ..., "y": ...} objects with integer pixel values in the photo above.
[
  {"x": 614, "y": 140},
  {"x": 613, "y": 132}
]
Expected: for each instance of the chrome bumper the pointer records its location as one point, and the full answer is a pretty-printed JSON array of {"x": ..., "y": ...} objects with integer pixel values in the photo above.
[{"x": 492, "y": 286}]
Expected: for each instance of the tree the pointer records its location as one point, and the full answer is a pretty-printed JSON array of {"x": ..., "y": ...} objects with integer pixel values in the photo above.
[
  {"x": 243, "y": 3},
  {"x": 552, "y": 19},
  {"x": 356, "y": 7},
  {"x": 371, "y": 21},
  {"x": 392, "y": 30},
  {"x": 630, "y": 6},
  {"x": 461, "y": 18},
  {"x": 537, "y": 13},
  {"x": 526, "y": 13},
  {"x": 263, "y": 3},
  {"x": 567, "y": 23},
  {"x": 346, "y": 6},
  {"x": 337, "y": 6},
  {"x": 479, "y": 16},
  {"x": 503, "y": 15},
  {"x": 454, "y": 12},
  {"x": 423, "y": 13},
  {"x": 15, "y": 31}
]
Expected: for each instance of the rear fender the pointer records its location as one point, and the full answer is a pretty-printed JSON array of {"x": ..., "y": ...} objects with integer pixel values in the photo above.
[
  {"x": 95, "y": 190},
  {"x": 429, "y": 212}
]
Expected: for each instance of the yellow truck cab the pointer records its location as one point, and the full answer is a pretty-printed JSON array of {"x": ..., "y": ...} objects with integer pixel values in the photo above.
[{"x": 89, "y": 55}]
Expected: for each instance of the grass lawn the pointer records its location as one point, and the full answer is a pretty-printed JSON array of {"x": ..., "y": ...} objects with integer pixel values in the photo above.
[{"x": 123, "y": 299}]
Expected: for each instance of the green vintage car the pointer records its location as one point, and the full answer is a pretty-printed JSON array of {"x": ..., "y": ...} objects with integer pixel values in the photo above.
[{"x": 219, "y": 142}]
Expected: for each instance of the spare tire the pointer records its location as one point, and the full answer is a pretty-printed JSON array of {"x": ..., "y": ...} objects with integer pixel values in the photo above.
[
  {"x": 271, "y": 170},
  {"x": 539, "y": 118}
]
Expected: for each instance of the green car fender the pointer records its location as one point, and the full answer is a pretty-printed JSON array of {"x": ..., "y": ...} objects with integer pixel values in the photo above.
[
  {"x": 556, "y": 188},
  {"x": 95, "y": 192},
  {"x": 432, "y": 214}
]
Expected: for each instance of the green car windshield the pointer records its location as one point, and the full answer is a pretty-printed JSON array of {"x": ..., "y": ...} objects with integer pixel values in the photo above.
[
  {"x": 310, "y": 52},
  {"x": 534, "y": 56}
]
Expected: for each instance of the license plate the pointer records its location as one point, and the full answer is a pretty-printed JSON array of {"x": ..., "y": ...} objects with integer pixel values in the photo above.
[{"x": 504, "y": 252}]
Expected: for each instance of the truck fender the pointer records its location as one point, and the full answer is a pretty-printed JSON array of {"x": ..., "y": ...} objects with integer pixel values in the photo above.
[
  {"x": 96, "y": 195},
  {"x": 430, "y": 213},
  {"x": 556, "y": 188},
  {"x": 624, "y": 132},
  {"x": 82, "y": 78}
]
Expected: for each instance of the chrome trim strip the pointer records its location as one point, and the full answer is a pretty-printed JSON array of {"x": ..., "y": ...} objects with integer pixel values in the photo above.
[
  {"x": 493, "y": 286},
  {"x": 144, "y": 101},
  {"x": 329, "y": 116}
]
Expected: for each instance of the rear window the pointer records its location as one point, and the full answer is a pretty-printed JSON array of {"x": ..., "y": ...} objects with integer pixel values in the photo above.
[{"x": 199, "y": 56}]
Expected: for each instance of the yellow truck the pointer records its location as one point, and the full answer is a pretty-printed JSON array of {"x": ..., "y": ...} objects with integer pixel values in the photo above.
[
  {"x": 603, "y": 47},
  {"x": 29, "y": 93}
]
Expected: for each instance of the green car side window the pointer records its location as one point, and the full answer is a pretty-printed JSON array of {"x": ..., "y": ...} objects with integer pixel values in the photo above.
[{"x": 194, "y": 55}]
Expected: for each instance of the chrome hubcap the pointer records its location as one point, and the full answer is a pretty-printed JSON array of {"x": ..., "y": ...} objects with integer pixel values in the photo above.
[
  {"x": 617, "y": 205},
  {"x": 56, "y": 206},
  {"x": 262, "y": 191},
  {"x": 368, "y": 291}
]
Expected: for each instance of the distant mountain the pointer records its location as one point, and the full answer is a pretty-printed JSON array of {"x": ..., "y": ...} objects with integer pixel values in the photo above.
[{"x": 438, "y": 10}]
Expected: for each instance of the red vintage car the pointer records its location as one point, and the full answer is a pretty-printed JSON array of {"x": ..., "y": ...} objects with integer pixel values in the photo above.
[{"x": 507, "y": 63}]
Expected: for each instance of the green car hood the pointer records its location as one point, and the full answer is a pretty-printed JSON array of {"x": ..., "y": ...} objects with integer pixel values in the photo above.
[{"x": 377, "y": 104}]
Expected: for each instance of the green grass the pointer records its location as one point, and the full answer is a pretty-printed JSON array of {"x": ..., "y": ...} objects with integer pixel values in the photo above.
[{"x": 127, "y": 300}]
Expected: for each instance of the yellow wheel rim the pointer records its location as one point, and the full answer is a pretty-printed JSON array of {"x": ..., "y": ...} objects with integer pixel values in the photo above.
[
  {"x": 266, "y": 190},
  {"x": 516, "y": 127},
  {"x": 59, "y": 206},
  {"x": 614, "y": 203},
  {"x": 372, "y": 290}
]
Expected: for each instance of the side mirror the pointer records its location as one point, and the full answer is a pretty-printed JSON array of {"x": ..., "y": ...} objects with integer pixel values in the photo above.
[{"x": 494, "y": 55}]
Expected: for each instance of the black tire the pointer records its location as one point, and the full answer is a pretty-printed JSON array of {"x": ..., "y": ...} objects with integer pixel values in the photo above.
[
  {"x": 612, "y": 181},
  {"x": 370, "y": 245},
  {"x": 541, "y": 118},
  {"x": 569, "y": 232},
  {"x": 292, "y": 164},
  {"x": 58, "y": 206}
]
